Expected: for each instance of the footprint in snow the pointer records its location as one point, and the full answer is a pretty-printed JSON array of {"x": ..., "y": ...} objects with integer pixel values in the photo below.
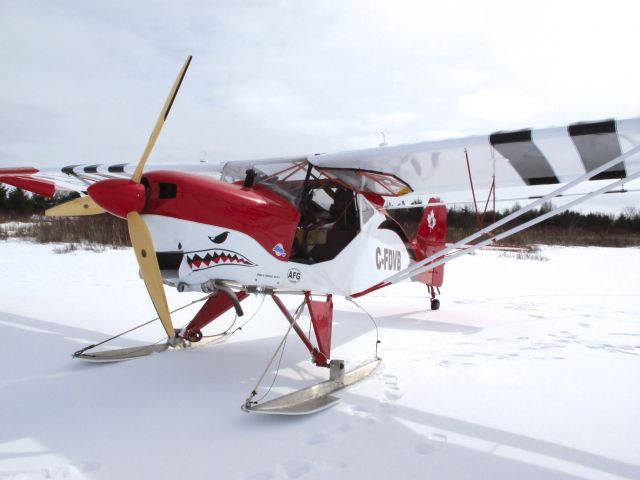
[
  {"x": 335, "y": 464},
  {"x": 391, "y": 389},
  {"x": 424, "y": 448},
  {"x": 296, "y": 468},
  {"x": 386, "y": 407},
  {"x": 344, "y": 428},
  {"x": 434, "y": 442},
  {"x": 359, "y": 415},
  {"x": 329, "y": 435},
  {"x": 317, "y": 439},
  {"x": 260, "y": 476}
]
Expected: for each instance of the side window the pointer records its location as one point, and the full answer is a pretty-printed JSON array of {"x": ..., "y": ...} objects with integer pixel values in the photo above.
[{"x": 366, "y": 210}]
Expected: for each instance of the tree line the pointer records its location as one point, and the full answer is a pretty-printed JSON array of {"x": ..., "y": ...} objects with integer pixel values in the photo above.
[
  {"x": 27, "y": 209},
  {"x": 567, "y": 228},
  {"x": 628, "y": 219},
  {"x": 16, "y": 203}
]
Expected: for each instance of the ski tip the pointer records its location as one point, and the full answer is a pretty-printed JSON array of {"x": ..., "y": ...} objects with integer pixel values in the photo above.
[{"x": 278, "y": 407}]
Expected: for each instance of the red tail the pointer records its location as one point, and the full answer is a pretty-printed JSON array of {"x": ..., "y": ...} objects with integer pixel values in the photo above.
[{"x": 431, "y": 238}]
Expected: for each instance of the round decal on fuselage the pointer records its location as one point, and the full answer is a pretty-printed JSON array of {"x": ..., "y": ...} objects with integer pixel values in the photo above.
[{"x": 294, "y": 275}]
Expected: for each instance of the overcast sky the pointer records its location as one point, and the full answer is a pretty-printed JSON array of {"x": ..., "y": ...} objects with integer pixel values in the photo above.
[{"x": 83, "y": 81}]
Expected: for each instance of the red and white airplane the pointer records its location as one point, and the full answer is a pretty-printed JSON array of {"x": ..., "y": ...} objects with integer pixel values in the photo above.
[{"x": 316, "y": 225}]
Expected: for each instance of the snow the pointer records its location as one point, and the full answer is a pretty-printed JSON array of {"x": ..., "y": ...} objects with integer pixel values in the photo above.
[{"x": 529, "y": 370}]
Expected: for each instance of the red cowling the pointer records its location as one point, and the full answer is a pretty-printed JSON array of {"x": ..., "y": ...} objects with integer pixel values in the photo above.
[
  {"x": 258, "y": 212},
  {"x": 118, "y": 196}
]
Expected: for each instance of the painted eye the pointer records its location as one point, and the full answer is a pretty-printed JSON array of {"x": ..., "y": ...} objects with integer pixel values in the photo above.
[{"x": 220, "y": 238}]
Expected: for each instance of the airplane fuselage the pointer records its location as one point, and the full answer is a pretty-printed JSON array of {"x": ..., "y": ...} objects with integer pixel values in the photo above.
[{"x": 204, "y": 229}]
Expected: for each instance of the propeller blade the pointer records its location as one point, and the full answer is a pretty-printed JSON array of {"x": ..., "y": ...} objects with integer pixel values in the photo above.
[
  {"x": 148, "y": 262},
  {"x": 137, "y": 174},
  {"x": 74, "y": 208}
]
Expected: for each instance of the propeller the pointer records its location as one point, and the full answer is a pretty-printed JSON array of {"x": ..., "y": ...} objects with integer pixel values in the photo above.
[
  {"x": 126, "y": 198},
  {"x": 148, "y": 262},
  {"x": 77, "y": 207},
  {"x": 137, "y": 174}
]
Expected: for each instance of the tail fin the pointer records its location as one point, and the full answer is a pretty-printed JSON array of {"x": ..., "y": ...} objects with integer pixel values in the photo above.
[{"x": 431, "y": 237}]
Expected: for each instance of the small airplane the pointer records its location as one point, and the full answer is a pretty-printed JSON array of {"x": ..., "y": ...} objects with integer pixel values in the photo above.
[{"x": 319, "y": 225}]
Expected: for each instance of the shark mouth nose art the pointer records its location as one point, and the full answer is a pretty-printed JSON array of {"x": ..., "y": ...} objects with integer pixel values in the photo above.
[{"x": 204, "y": 259}]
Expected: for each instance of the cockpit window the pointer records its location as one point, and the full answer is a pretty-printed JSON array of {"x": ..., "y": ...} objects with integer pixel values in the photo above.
[
  {"x": 366, "y": 210},
  {"x": 286, "y": 177},
  {"x": 329, "y": 220},
  {"x": 365, "y": 181}
]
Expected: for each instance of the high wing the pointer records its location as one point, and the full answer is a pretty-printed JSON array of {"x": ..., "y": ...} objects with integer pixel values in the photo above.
[
  {"x": 77, "y": 178},
  {"x": 527, "y": 157},
  {"x": 519, "y": 158}
]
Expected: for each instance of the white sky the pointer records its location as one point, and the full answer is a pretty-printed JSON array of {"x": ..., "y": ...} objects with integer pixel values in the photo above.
[{"x": 83, "y": 82}]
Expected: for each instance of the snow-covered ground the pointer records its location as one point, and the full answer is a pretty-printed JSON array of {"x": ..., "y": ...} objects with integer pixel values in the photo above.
[{"x": 530, "y": 370}]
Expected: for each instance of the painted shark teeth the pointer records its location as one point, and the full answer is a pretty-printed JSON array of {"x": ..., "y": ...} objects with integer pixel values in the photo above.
[{"x": 204, "y": 259}]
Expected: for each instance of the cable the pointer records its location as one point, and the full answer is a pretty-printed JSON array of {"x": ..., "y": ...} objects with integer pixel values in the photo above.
[
  {"x": 281, "y": 347},
  {"x": 275, "y": 377},
  {"x": 251, "y": 317},
  {"x": 80, "y": 352},
  {"x": 372, "y": 320},
  {"x": 226, "y": 332},
  {"x": 235, "y": 319}
]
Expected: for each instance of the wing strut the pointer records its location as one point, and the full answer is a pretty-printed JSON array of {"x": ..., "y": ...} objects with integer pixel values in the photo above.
[{"x": 447, "y": 254}]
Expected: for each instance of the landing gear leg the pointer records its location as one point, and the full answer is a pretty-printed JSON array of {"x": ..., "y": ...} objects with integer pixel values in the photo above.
[
  {"x": 215, "y": 306},
  {"x": 315, "y": 397}
]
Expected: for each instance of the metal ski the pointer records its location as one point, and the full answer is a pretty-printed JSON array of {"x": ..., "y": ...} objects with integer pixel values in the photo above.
[
  {"x": 314, "y": 398},
  {"x": 121, "y": 354}
]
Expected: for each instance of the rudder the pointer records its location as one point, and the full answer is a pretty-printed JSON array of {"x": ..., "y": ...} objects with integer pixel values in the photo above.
[{"x": 431, "y": 238}]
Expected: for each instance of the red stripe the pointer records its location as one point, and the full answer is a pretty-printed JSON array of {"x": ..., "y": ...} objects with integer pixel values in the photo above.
[
  {"x": 40, "y": 187},
  {"x": 18, "y": 171},
  {"x": 370, "y": 289}
]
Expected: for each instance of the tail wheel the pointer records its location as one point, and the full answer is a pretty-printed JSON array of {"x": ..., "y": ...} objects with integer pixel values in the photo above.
[
  {"x": 195, "y": 336},
  {"x": 435, "y": 304}
]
